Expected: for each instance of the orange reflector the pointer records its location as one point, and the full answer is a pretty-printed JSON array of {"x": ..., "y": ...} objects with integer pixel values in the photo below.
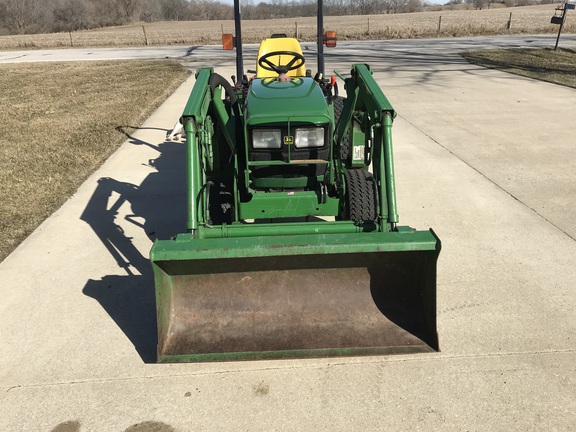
[
  {"x": 330, "y": 39},
  {"x": 227, "y": 42},
  {"x": 332, "y": 80}
]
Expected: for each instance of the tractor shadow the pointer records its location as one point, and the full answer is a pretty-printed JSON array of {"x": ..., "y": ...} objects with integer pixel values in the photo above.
[{"x": 157, "y": 207}]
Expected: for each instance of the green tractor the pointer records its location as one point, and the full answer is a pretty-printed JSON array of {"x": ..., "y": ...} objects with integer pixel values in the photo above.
[{"x": 293, "y": 246}]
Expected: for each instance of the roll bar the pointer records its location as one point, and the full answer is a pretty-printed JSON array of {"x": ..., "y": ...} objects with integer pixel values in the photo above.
[{"x": 229, "y": 42}]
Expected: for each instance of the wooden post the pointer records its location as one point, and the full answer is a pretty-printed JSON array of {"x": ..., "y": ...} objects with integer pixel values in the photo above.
[
  {"x": 296, "y": 29},
  {"x": 439, "y": 24},
  {"x": 509, "y": 26},
  {"x": 71, "y": 43},
  {"x": 145, "y": 35}
]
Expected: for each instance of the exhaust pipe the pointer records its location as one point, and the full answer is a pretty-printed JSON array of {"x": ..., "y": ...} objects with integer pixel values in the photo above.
[{"x": 238, "y": 40}]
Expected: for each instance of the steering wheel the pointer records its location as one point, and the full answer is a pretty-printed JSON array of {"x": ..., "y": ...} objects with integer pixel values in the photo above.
[
  {"x": 296, "y": 61},
  {"x": 274, "y": 83}
]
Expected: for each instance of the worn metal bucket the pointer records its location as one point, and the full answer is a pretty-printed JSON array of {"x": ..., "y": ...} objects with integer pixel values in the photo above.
[{"x": 295, "y": 296}]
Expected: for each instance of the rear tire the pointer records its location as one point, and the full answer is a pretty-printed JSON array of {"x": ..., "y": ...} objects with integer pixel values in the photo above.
[
  {"x": 360, "y": 196},
  {"x": 345, "y": 141}
]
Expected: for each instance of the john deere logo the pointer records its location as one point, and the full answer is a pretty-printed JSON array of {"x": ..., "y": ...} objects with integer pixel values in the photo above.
[{"x": 288, "y": 140}]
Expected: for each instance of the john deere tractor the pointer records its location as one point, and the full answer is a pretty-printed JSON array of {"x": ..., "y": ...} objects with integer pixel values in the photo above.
[{"x": 293, "y": 246}]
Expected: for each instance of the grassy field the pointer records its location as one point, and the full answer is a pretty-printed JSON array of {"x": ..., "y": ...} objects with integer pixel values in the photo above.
[
  {"x": 60, "y": 122},
  {"x": 443, "y": 23},
  {"x": 558, "y": 67}
]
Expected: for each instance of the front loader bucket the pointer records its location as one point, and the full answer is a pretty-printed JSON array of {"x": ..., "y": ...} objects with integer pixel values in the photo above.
[{"x": 295, "y": 296}]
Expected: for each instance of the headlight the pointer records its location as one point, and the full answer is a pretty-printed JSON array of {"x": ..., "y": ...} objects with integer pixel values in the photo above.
[
  {"x": 309, "y": 137},
  {"x": 266, "y": 138}
]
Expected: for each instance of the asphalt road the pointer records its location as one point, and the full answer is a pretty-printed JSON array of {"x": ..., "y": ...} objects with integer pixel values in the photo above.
[
  {"x": 485, "y": 158},
  {"x": 356, "y": 49}
]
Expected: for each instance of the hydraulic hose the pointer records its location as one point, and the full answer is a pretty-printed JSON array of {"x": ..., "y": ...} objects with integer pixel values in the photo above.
[{"x": 218, "y": 80}]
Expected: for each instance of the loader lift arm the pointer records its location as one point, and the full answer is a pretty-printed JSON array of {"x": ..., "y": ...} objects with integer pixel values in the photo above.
[{"x": 365, "y": 96}]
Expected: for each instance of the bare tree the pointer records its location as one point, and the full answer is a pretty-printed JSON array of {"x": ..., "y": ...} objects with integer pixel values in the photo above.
[
  {"x": 174, "y": 10},
  {"x": 216, "y": 10},
  {"x": 367, "y": 7},
  {"x": 480, "y": 4},
  {"x": 70, "y": 15},
  {"x": 103, "y": 13},
  {"x": 3, "y": 14},
  {"x": 23, "y": 16},
  {"x": 129, "y": 9},
  {"x": 150, "y": 11},
  {"x": 248, "y": 10},
  {"x": 414, "y": 6},
  {"x": 337, "y": 7}
]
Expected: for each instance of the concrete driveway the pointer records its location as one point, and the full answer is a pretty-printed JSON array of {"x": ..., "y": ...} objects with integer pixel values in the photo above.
[{"x": 485, "y": 158}]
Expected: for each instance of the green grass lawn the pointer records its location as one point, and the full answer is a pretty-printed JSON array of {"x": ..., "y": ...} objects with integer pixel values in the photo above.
[
  {"x": 545, "y": 64},
  {"x": 60, "y": 122}
]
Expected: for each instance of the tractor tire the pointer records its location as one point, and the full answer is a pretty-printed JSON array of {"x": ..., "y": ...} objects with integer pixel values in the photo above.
[
  {"x": 345, "y": 142},
  {"x": 338, "y": 102},
  {"x": 360, "y": 196}
]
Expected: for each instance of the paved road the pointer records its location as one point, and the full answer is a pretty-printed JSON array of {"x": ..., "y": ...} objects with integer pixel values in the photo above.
[
  {"x": 485, "y": 158},
  {"x": 355, "y": 49}
]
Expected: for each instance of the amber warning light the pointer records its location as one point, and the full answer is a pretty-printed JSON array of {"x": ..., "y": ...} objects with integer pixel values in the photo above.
[{"x": 330, "y": 39}]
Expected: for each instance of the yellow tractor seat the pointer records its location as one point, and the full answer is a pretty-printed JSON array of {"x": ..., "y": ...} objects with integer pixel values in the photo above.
[{"x": 279, "y": 44}]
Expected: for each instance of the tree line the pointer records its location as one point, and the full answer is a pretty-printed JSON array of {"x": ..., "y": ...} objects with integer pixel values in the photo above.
[
  {"x": 483, "y": 4},
  {"x": 48, "y": 16}
]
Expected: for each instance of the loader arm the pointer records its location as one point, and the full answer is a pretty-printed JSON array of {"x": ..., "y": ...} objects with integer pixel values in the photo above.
[
  {"x": 364, "y": 96},
  {"x": 205, "y": 111}
]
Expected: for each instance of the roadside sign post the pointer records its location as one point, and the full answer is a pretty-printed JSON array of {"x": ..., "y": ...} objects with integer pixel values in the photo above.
[{"x": 560, "y": 17}]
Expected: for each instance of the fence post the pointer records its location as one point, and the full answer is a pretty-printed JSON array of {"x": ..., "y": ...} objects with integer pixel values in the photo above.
[
  {"x": 145, "y": 35},
  {"x": 296, "y": 29},
  {"x": 439, "y": 24},
  {"x": 71, "y": 43},
  {"x": 509, "y": 26}
]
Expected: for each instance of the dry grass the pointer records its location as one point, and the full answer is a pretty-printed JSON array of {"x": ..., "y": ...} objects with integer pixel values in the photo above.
[
  {"x": 59, "y": 123},
  {"x": 529, "y": 19},
  {"x": 545, "y": 64}
]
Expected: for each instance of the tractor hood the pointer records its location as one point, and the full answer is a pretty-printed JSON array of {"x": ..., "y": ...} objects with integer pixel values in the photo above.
[{"x": 300, "y": 100}]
